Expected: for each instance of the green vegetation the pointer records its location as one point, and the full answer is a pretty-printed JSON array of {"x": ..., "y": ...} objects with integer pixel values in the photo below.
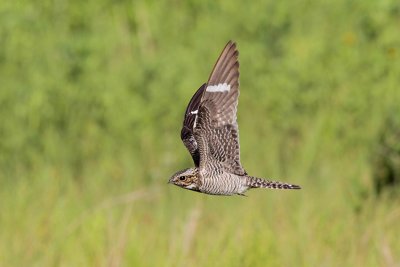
[{"x": 91, "y": 102}]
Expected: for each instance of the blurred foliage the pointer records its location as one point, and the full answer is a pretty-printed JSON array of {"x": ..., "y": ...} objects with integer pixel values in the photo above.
[
  {"x": 91, "y": 103},
  {"x": 386, "y": 155}
]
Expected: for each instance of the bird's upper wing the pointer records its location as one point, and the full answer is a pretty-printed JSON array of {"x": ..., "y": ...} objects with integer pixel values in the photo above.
[
  {"x": 188, "y": 124},
  {"x": 216, "y": 129}
]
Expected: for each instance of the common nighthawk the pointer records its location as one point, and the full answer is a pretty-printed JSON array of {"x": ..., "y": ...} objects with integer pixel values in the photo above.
[{"x": 210, "y": 133}]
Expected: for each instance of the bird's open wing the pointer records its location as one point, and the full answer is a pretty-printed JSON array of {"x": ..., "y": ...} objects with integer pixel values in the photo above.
[
  {"x": 216, "y": 129},
  {"x": 188, "y": 124}
]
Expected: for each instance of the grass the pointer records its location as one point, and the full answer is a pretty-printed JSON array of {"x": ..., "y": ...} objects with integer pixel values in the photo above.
[{"x": 91, "y": 104}]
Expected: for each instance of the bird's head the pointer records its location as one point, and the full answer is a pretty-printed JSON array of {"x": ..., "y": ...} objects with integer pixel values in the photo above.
[{"x": 187, "y": 178}]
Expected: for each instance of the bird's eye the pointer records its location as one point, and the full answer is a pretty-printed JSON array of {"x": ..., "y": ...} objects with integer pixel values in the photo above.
[{"x": 182, "y": 178}]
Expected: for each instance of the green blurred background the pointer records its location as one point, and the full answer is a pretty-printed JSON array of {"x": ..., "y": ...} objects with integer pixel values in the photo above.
[{"x": 92, "y": 95}]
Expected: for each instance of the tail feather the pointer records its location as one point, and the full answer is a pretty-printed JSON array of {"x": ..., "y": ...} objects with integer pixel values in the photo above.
[{"x": 255, "y": 182}]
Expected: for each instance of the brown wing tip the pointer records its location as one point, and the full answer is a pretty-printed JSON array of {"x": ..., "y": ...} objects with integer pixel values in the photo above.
[
  {"x": 231, "y": 43},
  {"x": 232, "y": 46},
  {"x": 226, "y": 63}
]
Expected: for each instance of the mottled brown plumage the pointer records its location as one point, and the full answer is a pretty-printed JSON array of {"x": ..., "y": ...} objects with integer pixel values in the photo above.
[{"x": 210, "y": 133}]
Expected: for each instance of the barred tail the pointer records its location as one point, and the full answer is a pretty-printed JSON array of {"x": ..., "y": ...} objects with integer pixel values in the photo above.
[{"x": 255, "y": 182}]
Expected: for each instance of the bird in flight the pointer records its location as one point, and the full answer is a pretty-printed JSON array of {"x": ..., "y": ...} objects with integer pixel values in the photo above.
[{"x": 210, "y": 133}]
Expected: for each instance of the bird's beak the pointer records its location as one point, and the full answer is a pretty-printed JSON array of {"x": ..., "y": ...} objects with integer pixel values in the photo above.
[{"x": 170, "y": 181}]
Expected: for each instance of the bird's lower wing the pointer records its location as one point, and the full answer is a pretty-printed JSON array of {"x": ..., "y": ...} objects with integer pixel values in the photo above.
[{"x": 218, "y": 146}]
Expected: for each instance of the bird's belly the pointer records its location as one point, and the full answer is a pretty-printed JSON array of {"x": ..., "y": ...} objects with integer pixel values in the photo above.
[{"x": 224, "y": 184}]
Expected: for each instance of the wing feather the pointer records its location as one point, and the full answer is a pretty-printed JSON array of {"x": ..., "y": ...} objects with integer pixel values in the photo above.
[
  {"x": 189, "y": 120},
  {"x": 217, "y": 130}
]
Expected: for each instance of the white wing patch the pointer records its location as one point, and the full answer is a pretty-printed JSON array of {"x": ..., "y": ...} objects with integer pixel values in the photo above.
[
  {"x": 222, "y": 87},
  {"x": 195, "y": 122},
  {"x": 194, "y": 112}
]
